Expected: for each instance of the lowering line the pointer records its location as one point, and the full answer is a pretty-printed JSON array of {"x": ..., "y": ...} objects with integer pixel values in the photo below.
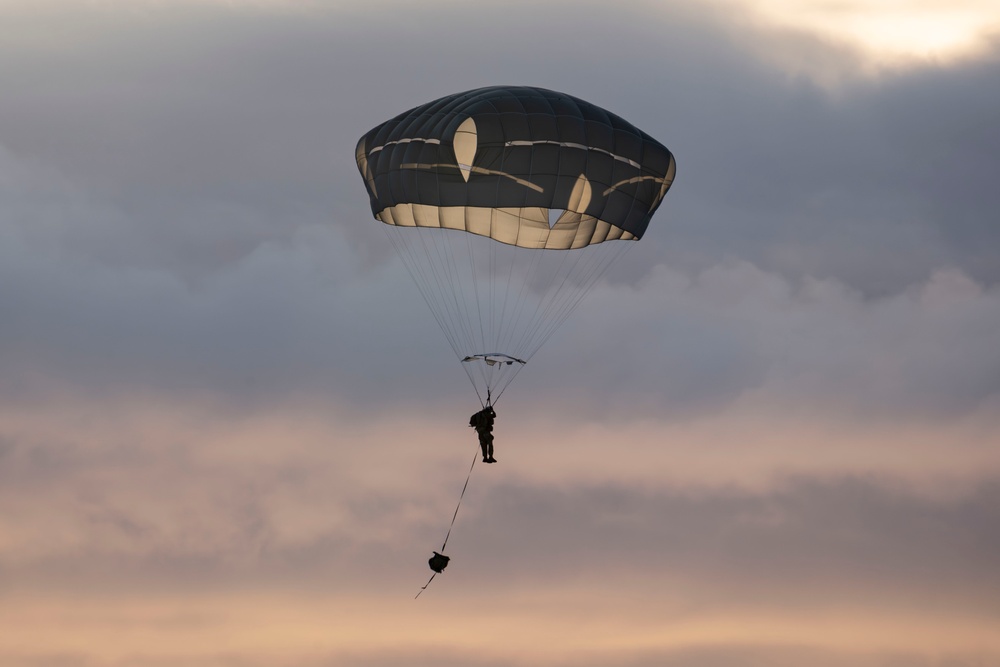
[{"x": 453, "y": 517}]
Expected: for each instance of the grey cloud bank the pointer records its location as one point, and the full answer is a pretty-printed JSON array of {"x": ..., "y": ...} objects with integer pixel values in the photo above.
[
  {"x": 307, "y": 314},
  {"x": 248, "y": 130}
]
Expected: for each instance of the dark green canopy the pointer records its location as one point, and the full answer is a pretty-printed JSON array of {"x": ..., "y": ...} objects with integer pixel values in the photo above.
[{"x": 524, "y": 166}]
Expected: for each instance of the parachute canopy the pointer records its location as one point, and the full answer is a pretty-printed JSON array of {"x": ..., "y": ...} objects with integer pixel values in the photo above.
[
  {"x": 471, "y": 181},
  {"x": 523, "y": 166}
]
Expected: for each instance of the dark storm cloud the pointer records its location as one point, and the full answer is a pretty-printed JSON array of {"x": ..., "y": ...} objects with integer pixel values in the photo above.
[
  {"x": 212, "y": 128},
  {"x": 257, "y": 326},
  {"x": 169, "y": 173}
]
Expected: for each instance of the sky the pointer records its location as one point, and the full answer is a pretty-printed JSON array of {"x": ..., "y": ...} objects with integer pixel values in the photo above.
[{"x": 231, "y": 434}]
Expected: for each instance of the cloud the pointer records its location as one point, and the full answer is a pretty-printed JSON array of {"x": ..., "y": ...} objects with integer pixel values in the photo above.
[
  {"x": 843, "y": 571},
  {"x": 230, "y": 434},
  {"x": 850, "y": 571},
  {"x": 310, "y": 313},
  {"x": 247, "y": 132},
  {"x": 307, "y": 316},
  {"x": 892, "y": 31},
  {"x": 137, "y": 495},
  {"x": 737, "y": 655},
  {"x": 689, "y": 344}
]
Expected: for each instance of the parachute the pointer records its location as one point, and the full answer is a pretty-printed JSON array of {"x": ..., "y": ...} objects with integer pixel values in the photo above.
[{"x": 507, "y": 204}]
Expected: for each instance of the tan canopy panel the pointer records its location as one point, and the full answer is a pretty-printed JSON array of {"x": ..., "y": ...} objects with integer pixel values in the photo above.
[{"x": 499, "y": 200}]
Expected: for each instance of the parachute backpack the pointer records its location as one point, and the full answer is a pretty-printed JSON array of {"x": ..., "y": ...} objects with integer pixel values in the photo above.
[
  {"x": 438, "y": 562},
  {"x": 507, "y": 204}
]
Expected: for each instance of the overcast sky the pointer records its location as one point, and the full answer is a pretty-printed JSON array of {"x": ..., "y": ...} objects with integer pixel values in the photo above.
[{"x": 231, "y": 433}]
